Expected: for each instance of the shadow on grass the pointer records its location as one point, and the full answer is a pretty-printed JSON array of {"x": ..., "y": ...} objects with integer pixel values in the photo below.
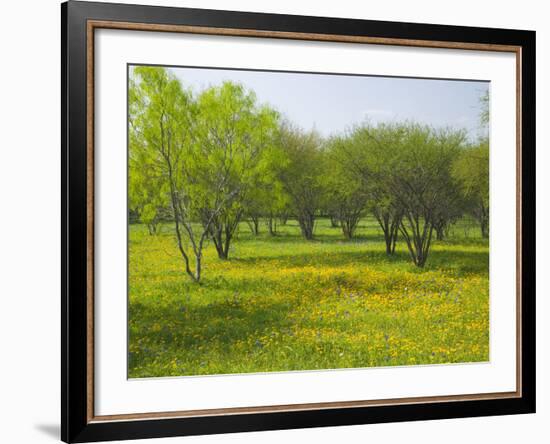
[
  {"x": 229, "y": 321},
  {"x": 459, "y": 261},
  {"x": 218, "y": 326},
  {"x": 462, "y": 262}
]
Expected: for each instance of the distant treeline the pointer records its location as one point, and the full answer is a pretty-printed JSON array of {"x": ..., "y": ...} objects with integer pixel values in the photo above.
[{"x": 210, "y": 160}]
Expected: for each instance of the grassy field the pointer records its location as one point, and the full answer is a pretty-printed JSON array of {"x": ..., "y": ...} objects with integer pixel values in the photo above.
[{"x": 283, "y": 303}]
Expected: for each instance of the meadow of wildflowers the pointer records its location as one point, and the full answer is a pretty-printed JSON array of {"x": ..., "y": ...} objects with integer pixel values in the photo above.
[{"x": 284, "y": 303}]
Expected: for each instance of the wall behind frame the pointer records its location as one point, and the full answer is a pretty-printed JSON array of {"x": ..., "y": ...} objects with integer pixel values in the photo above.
[{"x": 30, "y": 219}]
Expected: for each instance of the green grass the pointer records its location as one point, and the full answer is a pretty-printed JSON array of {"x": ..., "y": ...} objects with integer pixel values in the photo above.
[{"x": 282, "y": 303}]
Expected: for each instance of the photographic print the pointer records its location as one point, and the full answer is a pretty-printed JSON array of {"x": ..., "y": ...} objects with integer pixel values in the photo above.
[
  {"x": 284, "y": 221},
  {"x": 275, "y": 221}
]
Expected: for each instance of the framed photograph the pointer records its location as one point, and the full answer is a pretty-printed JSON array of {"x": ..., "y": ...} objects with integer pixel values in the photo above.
[{"x": 275, "y": 221}]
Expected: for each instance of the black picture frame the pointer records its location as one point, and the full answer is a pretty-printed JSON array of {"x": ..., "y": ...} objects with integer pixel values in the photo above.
[{"x": 76, "y": 424}]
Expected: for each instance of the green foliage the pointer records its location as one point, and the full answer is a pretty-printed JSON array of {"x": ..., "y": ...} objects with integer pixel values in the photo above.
[
  {"x": 405, "y": 170},
  {"x": 235, "y": 157},
  {"x": 213, "y": 159},
  {"x": 302, "y": 174},
  {"x": 234, "y": 139},
  {"x": 156, "y": 101},
  {"x": 471, "y": 170},
  {"x": 424, "y": 186},
  {"x": 161, "y": 126},
  {"x": 203, "y": 155},
  {"x": 346, "y": 193}
]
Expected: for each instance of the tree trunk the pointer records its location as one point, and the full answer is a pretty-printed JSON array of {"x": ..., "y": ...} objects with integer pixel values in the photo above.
[
  {"x": 419, "y": 238},
  {"x": 272, "y": 226},
  {"x": 346, "y": 230},
  {"x": 229, "y": 231},
  {"x": 484, "y": 222},
  {"x": 390, "y": 227},
  {"x": 394, "y": 233},
  {"x": 334, "y": 222},
  {"x": 349, "y": 225},
  {"x": 254, "y": 225},
  {"x": 216, "y": 236},
  {"x": 178, "y": 219},
  {"x": 221, "y": 232},
  {"x": 484, "y": 229},
  {"x": 439, "y": 232},
  {"x": 152, "y": 227},
  {"x": 390, "y": 240},
  {"x": 307, "y": 224},
  {"x": 198, "y": 267}
]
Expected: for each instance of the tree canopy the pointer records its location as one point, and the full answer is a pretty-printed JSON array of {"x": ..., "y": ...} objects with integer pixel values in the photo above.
[{"x": 207, "y": 161}]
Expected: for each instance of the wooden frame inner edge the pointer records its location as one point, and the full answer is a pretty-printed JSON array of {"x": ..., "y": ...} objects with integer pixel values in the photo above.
[{"x": 95, "y": 24}]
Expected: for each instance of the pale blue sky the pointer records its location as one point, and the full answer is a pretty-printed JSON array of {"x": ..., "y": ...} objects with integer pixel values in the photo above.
[{"x": 331, "y": 102}]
